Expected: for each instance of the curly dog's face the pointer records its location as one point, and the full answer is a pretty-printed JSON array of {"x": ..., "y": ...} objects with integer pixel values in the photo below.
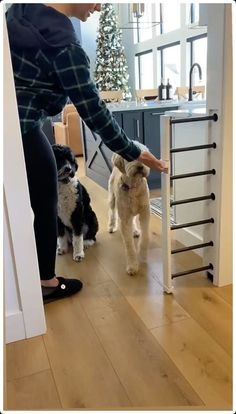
[
  {"x": 136, "y": 169},
  {"x": 132, "y": 169},
  {"x": 66, "y": 162}
]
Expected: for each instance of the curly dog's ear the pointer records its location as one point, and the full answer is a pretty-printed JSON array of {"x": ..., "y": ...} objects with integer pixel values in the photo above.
[{"x": 119, "y": 162}]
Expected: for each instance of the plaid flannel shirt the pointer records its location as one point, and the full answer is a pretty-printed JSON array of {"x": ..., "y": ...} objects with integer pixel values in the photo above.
[{"x": 46, "y": 78}]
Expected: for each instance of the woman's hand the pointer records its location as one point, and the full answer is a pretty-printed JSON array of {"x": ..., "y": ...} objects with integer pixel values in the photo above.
[{"x": 152, "y": 162}]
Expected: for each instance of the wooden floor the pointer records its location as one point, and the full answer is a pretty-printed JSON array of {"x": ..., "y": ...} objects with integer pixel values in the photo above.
[{"x": 123, "y": 344}]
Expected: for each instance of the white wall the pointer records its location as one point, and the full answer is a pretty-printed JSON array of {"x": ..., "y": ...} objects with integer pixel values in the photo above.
[
  {"x": 220, "y": 97},
  {"x": 89, "y": 35}
]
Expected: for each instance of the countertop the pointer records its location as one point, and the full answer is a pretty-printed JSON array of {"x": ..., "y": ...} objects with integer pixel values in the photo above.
[
  {"x": 134, "y": 106},
  {"x": 187, "y": 113},
  {"x": 185, "y": 106}
]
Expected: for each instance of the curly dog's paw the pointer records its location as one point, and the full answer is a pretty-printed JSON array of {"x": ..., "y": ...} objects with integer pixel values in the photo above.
[
  {"x": 136, "y": 233},
  {"x": 112, "y": 228},
  {"x": 132, "y": 269}
]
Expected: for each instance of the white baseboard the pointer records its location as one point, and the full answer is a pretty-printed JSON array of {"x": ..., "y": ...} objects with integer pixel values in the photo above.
[{"x": 14, "y": 327}]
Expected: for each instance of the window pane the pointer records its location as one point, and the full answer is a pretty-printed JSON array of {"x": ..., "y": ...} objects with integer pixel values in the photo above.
[
  {"x": 200, "y": 56},
  {"x": 137, "y": 86},
  {"x": 146, "y": 71},
  {"x": 170, "y": 16},
  {"x": 195, "y": 13},
  {"x": 171, "y": 65},
  {"x": 188, "y": 13},
  {"x": 157, "y": 18},
  {"x": 145, "y": 25}
]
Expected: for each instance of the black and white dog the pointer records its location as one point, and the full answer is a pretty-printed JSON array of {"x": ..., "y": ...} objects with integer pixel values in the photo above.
[{"x": 77, "y": 222}]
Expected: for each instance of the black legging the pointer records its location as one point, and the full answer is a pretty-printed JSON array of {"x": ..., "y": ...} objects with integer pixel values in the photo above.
[{"x": 42, "y": 180}]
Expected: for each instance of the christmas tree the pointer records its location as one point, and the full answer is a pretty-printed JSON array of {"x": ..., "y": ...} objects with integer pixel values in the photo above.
[{"x": 111, "y": 70}]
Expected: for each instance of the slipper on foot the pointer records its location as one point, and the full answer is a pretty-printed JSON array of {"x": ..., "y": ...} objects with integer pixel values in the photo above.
[{"x": 65, "y": 288}]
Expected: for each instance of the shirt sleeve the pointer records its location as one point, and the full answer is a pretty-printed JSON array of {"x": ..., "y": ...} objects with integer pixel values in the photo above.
[{"x": 72, "y": 69}]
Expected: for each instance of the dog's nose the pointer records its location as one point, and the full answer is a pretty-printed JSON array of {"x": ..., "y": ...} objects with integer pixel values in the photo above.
[
  {"x": 140, "y": 168},
  {"x": 67, "y": 169}
]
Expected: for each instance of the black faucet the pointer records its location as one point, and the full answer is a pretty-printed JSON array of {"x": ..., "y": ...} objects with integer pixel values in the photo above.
[{"x": 190, "y": 91}]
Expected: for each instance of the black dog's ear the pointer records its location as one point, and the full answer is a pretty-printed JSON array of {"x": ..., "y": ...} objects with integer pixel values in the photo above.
[
  {"x": 72, "y": 159},
  {"x": 76, "y": 164}
]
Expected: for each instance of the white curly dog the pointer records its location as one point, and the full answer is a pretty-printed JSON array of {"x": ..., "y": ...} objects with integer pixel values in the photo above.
[{"x": 129, "y": 197}]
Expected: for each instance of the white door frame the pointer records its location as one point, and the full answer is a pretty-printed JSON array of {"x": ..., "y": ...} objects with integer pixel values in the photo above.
[{"x": 24, "y": 311}]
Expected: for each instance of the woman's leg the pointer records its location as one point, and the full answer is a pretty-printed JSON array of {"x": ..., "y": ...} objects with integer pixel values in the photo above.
[{"x": 42, "y": 180}]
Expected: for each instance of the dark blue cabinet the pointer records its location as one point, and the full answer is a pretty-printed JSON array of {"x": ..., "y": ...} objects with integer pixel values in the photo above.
[
  {"x": 118, "y": 118},
  {"x": 133, "y": 125}
]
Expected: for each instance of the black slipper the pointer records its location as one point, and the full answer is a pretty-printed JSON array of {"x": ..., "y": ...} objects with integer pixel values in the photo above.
[{"x": 66, "y": 287}]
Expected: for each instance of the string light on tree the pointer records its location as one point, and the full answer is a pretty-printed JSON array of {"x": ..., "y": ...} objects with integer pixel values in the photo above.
[{"x": 111, "y": 70}]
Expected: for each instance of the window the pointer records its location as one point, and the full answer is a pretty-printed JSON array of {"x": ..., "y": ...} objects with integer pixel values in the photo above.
[
  {"x": 170, "y": 16},
  {"x": 198, "y": 54},
  {"x": 144, "y": 71},
  {"x": 145, "y": 31},
  {"x": 194, "y": 12},
  {"x": 144, "y": 24},
  {"x": 169, "y": 59}
]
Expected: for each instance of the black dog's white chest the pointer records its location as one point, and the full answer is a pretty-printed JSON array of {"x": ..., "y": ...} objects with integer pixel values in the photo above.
[{"x": 67, "y": 198}]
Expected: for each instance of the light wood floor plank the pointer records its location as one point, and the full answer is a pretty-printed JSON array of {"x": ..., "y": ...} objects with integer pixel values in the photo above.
[
  {"x": 197, "y": 296},
  {"x": 26, "y": 357},
  {"x": 226, "y": 292},
  {"x": 200, "y": 359},
  {"x": 34, "y": 392},
  {"x": 83, "y": 374},
  {"x": 142, "y": 366},
  {"x": 142, "y": 291},
  {"x": 88, "y": 270}
]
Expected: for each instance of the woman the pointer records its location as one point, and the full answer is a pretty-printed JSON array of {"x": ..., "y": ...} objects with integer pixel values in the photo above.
[{"x": 49, "y": 67}]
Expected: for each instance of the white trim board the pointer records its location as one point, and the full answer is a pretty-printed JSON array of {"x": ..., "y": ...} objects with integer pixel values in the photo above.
[{"x": 14, "y": 327}]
